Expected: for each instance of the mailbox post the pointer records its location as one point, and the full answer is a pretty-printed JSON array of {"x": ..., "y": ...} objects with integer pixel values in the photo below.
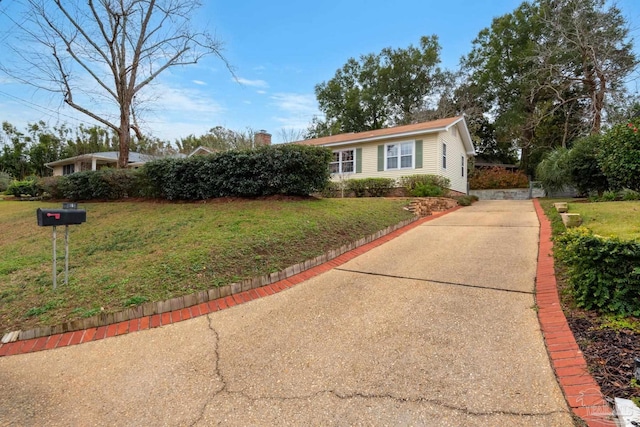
[{"x": 68, "y": 215}]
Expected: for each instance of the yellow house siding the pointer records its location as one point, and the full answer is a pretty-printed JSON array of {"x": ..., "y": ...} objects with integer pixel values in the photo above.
[
  {"x": 370, "y": 158},
  {"x": 455, "y": 152}
]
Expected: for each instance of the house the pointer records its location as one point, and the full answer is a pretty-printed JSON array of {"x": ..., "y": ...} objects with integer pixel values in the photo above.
[
  {"x": 439, "y": 147},
  {"x": 95, "y": 161}
]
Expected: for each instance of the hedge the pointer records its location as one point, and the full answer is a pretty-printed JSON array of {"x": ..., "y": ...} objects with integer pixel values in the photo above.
[
  {"x": 373, "y": 187},
  {"x": 497, "y": 178},
  {"x": 279, "y": 169},
  {"x": 604, "y": 273},
  {"x": 105, "y": 184}
]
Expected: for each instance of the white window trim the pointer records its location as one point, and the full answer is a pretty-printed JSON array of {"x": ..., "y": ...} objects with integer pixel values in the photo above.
[
  {"x": 340, "y": 171},
  {"x": 413, "y": 155}
]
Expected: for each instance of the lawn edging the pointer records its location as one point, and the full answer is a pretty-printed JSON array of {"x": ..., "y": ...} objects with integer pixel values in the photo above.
[
  {"x": 155, "y": 314},
  {"x": 581, "y": 391}
]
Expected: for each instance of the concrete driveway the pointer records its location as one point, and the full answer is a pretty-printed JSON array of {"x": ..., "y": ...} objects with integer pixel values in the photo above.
[{"x": 435, "y": 328}]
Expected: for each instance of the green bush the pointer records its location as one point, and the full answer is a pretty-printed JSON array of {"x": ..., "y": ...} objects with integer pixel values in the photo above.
[
  {"x": 427, "y": 190},
  {"x": 373, "y": 187},
  {"x": 604, "y": 273},
  {"x": 410, "y": 182},
  {"x": 357, "y": 186},
  {"x": 105, "y": 184},
  {"x": 5, "y": 181},
  {"x": 497, "y": 178},
  {"x": 619, "y": 155},
  {"x": 279, "y": 169},
  {"x": 628, "y": 195},
  {"x": 51, "y": 186},
  {"x": 465, "y": 200},
  {"x": 583, "y": 167},
  {"x": 332, "y": 189},
  {"x": 29, "y": 187}
]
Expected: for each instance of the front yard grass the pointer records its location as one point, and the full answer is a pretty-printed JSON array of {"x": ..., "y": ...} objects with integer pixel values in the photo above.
[
  {"x": 128, "y": 253},
  {"x": 621, "y": 219}
]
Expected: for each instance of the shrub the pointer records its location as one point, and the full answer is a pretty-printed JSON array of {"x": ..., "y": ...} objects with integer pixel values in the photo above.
[
  {"x": 105, "y": 184},
  {"x": 5, "y": 181},
  {"x": 497, "y": 178},
  {"x": 51, "y": 186},
  {"x": 465, "y": 200},
  {"x": 373, "y": 187},
  {"x": 27, "y": 187},
  {"x": 604, "y": 273},
  {"x": 427, "y": 190},
  {"x": 358, "y": 187},
  {"x": 410, "y": 182},
  {"x": 583, "y": 167},
  {"x": 332, "y": 189},
  {"x": 280, "y": 169},
  {"x": 620, "y": 155},
  {"x": 629, "y": 195}
]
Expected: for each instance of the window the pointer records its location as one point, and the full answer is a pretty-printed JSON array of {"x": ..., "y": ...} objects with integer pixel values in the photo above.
[
  {"x": 68, "y": 169},
  {"x": 343, "y": 162},
  {"x": 444, "y": 156},
  {"x": 399, "y": 156},
  {"x": 462, "y": 163}
]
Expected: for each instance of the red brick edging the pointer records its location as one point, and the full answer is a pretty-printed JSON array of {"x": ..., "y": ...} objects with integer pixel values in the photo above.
[
  {"x": 580, "y": 389},
  {"x": 157, "y": 320}
]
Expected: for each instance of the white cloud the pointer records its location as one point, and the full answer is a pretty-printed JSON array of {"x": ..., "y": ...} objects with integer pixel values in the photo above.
[
  {"x": 252, "y": 83},
  {"x": 199, "y": 82},
  {"x": 261, "y": 92},
  {"x": 298, "y": 109}
]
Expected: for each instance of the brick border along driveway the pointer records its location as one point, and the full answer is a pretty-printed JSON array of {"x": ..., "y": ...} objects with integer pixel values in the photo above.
[{"x": 580, "y": 389}]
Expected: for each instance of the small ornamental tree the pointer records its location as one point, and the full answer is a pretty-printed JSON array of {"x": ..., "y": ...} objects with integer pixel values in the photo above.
[{"x": 619, "y": 156}]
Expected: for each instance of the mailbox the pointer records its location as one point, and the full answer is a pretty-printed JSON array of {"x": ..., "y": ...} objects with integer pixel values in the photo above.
[{"x": 53, "y": 217}]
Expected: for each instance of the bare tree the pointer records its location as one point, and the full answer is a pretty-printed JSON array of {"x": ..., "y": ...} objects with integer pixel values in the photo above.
[
  {"x": 291, "y": 134},
  {"x": 586, "y": 55},
  {"x": 111, "y": 49}
]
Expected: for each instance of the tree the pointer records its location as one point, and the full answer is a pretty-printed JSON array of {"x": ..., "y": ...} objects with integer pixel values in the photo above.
[
  {"x": 379, "y": 90},
  {"x": 218, "y": 139},
  {"x": 108, "y": 48},
  {"x": 548, "y": 71},
  {"x": 586, "y": 54}
]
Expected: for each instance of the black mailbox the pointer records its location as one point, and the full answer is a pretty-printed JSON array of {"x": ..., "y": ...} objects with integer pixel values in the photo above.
[{"x": 50, "y": 217}]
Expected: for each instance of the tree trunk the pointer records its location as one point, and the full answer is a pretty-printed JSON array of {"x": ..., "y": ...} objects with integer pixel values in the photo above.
[{"x": 124, "y": 135}]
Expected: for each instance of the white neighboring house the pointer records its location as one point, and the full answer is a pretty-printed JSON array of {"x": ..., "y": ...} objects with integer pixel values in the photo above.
[
  {"x": 95, "y": 161},
  {"x": 439, "y": 147}
]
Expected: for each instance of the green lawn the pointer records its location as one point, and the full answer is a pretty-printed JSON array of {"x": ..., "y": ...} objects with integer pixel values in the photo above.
[
  {"x": 621, "y": 219},
  {"x": 132, "y": 252}
]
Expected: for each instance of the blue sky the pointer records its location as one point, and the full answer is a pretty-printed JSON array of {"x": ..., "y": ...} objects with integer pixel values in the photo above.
[{"x": 279, "y": 51}]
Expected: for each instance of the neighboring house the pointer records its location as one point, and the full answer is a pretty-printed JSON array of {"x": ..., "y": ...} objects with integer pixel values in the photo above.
[
  {"x": 439, "y": 147},
  {"x": 95, "y": 161}
]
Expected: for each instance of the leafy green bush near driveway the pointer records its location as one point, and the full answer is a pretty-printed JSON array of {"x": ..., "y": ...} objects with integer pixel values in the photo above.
[{"x": 604, "y": 272}]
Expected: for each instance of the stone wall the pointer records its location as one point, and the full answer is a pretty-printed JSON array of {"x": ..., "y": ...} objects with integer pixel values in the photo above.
[{"x": 507, "y": 194}]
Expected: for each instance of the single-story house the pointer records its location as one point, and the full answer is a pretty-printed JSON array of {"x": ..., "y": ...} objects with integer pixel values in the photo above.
[
  {"x": 439, "y": 147},
  {"x": 95, "y": 161}
]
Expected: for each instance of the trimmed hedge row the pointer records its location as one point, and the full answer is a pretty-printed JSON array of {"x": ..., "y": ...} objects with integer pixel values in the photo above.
[
  {"x": 374, "y": 187},
  {"x": 604, "y": 273},
  {"x": 264, "y": 171},
  {"x": 281, "y": 169}
]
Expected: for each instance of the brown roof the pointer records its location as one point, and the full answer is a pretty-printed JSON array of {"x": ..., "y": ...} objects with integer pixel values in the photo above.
[{"x": 432, "y": 126}]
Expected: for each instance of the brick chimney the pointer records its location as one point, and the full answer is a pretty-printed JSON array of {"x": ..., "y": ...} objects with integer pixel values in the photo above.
[{"x": 262, "y": 138}]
